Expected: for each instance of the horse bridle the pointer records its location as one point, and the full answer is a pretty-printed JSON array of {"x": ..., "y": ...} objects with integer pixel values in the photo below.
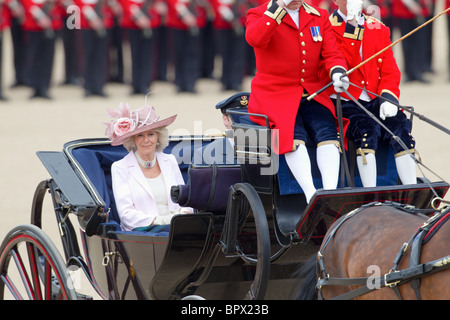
[{"x": 394, "y": 277}]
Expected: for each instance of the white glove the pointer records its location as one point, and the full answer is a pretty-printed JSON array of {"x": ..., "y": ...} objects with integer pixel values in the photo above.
[
  {"x": 387, "y": 109},
  {"x": 165, "y": 219},
  {"x": 354, "y": 8},
  {"x": 339, "y": 83}
]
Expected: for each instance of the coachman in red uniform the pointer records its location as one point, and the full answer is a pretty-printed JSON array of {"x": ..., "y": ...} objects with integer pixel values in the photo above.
[
  {"x": 291, "y": 45},
  {"x": 359, "y": 39}
]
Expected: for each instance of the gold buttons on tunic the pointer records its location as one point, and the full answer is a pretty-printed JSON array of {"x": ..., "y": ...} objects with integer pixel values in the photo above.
[
  {"x": 268, "y": 23},
  {"x": 301, "y": 34},
  {"x": 303, "y": 52},
  {"x": 380, "y": 60}
]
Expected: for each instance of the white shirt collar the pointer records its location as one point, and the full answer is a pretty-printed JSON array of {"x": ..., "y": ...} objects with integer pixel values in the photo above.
[{"x": 293, "y": 14}]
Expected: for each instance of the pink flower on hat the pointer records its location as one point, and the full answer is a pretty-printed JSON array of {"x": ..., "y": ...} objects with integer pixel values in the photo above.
[
  {"x": 126, "y": 123},
  {"x": 123, "y": 126}
]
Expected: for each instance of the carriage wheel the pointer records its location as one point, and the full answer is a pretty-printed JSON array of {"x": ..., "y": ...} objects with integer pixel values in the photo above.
[
  {"x": 262, "y": 258},
  {"x": 32, "y": 268}
]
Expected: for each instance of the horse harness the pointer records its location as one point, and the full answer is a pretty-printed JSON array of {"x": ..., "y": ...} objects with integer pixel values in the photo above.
[{"x": 394, "y": 277}]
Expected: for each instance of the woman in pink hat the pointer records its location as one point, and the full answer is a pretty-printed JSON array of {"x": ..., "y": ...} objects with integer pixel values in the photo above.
[{"x": 141, "y": 181}]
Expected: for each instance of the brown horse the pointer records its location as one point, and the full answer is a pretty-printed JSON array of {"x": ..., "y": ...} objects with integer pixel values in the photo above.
[{"x": 364, "y": 245}]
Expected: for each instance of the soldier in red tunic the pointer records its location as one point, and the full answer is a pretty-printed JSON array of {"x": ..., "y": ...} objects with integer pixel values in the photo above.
[
  {"x": 409, "y": 15},
  {"x": 447, "y": 5},
  {"x": 96, "y": 21},
  {"x": 228, "y": 23},
  {"x": 140, "y": 19},
  {"x": 185, "y": 19},
  {"x": 292, "y": 42},
  {"x": 359, "y": 37},
  {"x": 5, "y": 22},
  {"x": 43, "y": 18}
]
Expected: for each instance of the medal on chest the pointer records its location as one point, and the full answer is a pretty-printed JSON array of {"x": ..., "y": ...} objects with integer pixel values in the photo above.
[{"x": 315, "y": 33}]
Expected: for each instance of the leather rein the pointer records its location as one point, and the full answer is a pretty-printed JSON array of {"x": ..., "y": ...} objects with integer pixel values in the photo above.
[{"x": 394, "y": 277}]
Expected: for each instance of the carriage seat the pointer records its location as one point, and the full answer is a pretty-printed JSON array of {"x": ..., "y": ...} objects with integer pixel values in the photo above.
[
  {"x": 96, "y": 163},
  {"x": 96, "y": 160},
  {"x": 208, "y": 187}
]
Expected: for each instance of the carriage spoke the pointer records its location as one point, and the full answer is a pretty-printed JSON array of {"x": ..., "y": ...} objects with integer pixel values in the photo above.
[
  {"x": 43, "y": 275},
  {"x": 48, "y": 281},
  {"x": 23, "y": 274},
  {"x": 33, "y": 260},
  {"x": 11, "y": 287}
]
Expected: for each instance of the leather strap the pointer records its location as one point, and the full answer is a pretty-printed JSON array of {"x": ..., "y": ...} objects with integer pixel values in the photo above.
[{"x": 394, "y": 277}]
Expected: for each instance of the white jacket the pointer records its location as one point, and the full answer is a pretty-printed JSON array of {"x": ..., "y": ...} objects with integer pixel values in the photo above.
[{"x": 134, "y": 198}]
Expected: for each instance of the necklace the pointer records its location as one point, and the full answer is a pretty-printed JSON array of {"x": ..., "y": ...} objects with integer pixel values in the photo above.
[{"x": 145, "y": 164}]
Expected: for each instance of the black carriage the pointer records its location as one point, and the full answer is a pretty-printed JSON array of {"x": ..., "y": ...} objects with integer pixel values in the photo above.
[{"x": 251, "y": 230}]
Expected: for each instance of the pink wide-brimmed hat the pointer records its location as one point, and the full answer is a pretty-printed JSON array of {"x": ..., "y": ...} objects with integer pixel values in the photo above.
[{"x": 128, "y": 123}]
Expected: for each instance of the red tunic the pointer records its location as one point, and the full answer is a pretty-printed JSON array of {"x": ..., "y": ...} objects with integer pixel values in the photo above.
[
  {"x": 288, "y": 60},
  {"x": 174, "y": 19},
  {"x": 5, "y": 20},
  {"x": 380, "y": 75},
  {"x": 106, "y": 13},
  {"x": 239, "y": 12},
  {"x": 127, "y": 20},
  {"x": 55, "y": 12},
  {"x": 400, "y": 10}
]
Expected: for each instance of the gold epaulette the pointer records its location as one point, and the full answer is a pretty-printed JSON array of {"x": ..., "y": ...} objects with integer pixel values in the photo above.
[
  {"x": 335, "y": 21},
  {"x": 370, "y": 20},
  {"x": 310, "y": 9}
]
